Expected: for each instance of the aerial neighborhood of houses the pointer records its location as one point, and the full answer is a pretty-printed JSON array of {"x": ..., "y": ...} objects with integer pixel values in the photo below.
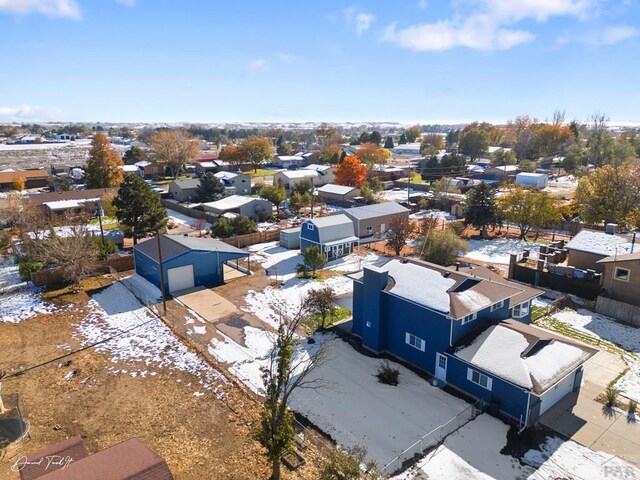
[{"x": 219, "y": 301}]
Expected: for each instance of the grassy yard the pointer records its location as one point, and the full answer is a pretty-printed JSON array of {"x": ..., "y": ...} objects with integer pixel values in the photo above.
[
  {"x": 261, "y": 172},
  {"x": 108, "y": 223}
]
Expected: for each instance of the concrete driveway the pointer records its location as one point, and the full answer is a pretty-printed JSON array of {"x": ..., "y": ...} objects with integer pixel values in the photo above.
[
  {"x": 220, "y": 312},
  {"x": 583, "y": 420}
]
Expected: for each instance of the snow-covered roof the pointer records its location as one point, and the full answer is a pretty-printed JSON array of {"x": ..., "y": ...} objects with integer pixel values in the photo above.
[
  {"x": 455, "y": 293},
  {"x": 208, "y": 164},
  {"x": 60, "y": 205},
  {"x": 493, "y": 150},
  {"x": 129, "y": 168},
  {"x": 231, "y": 202},
  {"x": 375, "y": 210},
  {"x": 407, "y": 277},
  {"x": 524, "y": 355},
  {"x": 600, "y": 243},
  {"x": 302, "y": 173},
  {"x": 290, "y": 158},
  {"x": 318, "y": 168},
  {"x": 335, "y": 189},
  {"x": 530, "y": 175},
  {"x": 226, "y": 175}
]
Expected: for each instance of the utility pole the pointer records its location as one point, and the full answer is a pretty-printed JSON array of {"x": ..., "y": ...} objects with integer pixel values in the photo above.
[
  {"x": 162, "y": 287},
  {"x": 100, "y": 221}
]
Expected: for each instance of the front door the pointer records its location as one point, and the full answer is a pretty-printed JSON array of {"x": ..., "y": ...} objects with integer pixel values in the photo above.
[{"x": 441, "y": 367}]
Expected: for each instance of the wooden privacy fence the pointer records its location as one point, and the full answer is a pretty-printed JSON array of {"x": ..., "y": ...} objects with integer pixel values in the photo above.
[
  {"x": 242, "y": 241},
  {"x": 119, "y": 263},
  {"x": 190, "y": 212}
]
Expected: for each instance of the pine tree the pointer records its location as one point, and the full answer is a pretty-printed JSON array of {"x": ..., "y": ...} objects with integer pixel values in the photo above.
[
  {"x": 388, "y": 143},
  {"x": 403, "y": 139},
  {"x": 134, "y": 155},
  {"x": 480, "y": 208},
  {"x": 102, "y": 167},
  {"x": 210, "y": 188},
  {"x": 138, "y": 208}
]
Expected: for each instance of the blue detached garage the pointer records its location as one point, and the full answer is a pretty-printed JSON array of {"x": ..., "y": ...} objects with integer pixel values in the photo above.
[{"x": 187, "y": 261}]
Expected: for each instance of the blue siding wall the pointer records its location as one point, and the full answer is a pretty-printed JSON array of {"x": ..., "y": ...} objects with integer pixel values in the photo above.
[
  {"x": 206, "y": 271},
  {"x": 358, "y": 320},
  {"x": 308, "y": 236},
  {"x": 374, "y": 319},
  {"x": 146, "y": 268},
  {"x": 513, "y": 399},
  {"x": 405, "y": 317}
]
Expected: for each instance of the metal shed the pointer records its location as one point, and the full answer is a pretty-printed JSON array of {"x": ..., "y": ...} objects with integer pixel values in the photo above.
[{"x": 290, "y": 238}]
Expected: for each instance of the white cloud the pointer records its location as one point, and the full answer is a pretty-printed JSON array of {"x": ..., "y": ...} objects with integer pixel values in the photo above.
[
  {"x": 485, "y": 24},
  {"x": 607, "y": 36},
  {"x": 363, "y": 22},
  {"x": 286, "y": 57},
  {"x": 51, "y": 8},
  {"x": 422, "y": 4},
  {"x": 473, "y": 33},
  {"x": 613, "y": 35},
  {"x": 256, "y": 66},
  {"x": 28, "y": 112}
]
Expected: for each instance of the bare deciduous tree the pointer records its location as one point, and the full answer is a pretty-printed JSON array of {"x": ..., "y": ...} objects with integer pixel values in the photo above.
[
  {"x": 399, "y": 230},
  {"x": 174, "y": 148},
  {"x": 288, "y": 369}
]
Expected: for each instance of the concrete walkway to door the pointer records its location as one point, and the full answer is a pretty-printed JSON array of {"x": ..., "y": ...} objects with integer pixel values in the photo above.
[{"x": 583, "y": 420}]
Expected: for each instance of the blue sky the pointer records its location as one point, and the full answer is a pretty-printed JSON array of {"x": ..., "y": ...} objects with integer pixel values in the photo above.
[{"x": 407, "y": 61}]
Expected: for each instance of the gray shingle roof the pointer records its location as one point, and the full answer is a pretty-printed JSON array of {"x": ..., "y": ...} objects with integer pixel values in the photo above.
[
  {"x": 334, "y": 227},
  {"x": 375, "y": 210},
  {"x": 188, "y": 183},
  {"x": 174, "y": 245}
]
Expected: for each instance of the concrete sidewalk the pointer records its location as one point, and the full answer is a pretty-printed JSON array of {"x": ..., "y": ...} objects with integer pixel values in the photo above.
[{"x": 590, "y": 423}]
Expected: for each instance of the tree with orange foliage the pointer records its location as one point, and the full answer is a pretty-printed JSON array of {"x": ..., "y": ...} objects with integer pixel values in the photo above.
[
  {"x": 103, "y": 165},
  {"x": 351, "y": 172},
  {"x": 231, "y": 154},
  {"x": 174, "y": 149},
  {"x": 18, "y": 183}
]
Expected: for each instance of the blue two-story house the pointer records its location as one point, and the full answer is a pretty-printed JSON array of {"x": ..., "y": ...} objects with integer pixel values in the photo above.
[
  {"x": 333, "y": 235},
  {"x": 470, "y": 329}
]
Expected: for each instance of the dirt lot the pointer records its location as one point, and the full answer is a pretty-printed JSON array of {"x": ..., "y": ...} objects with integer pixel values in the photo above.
[{"x": 200, "y": 437}]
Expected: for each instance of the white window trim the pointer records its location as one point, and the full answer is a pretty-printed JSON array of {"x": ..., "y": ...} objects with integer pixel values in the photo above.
[
  {"x": 523, "y": 308},
  {"x": 470, "y": 373},
  {"x": 310, "y": 226},
  {"x": 497, "y": 306},
  {"x": 469, "y": 318},
  {"x": 615, "y": 274},
  {"x": 419, "y": 341}
]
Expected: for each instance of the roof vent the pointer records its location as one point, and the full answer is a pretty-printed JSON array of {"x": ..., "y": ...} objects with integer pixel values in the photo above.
[
  {"x": 611, "y": 228},
  {"x": 535, "y": 347},
  {"x": 404, "y": 260}
]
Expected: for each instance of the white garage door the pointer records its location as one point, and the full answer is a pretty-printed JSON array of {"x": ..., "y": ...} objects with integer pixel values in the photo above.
[
  {"x": 551, "y": 397},
  {"x": 180, "y": 278}
]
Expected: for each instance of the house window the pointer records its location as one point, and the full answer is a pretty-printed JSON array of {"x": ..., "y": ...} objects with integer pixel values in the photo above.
[
  {"x": 622, "y": 274},
  {"x": 521, "y": 310},
  {"x": 368, "y": 324},
  {"x": 310, "y": 226},
  {"x": 479, "y": 379},
  {"x": 469, "y": 318},
  {"x": 496, "y": 306},
  {"x": 415, "y": 342},
  {"x": 369, "y": 229}
]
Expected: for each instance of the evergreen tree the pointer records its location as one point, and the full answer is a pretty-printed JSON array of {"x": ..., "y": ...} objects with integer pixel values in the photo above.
[
  {"x": 102, "y": 167},
  {"x": 388, "y": 143},
  {"x": 138, "y": 208},
  {"x": 375, "y": 137},
  {"x": 210, "y": 188},
  {"x": 480, "y": 209},
  {"x": 403, "y": 139},
  {"x": 134, "y": 155}
]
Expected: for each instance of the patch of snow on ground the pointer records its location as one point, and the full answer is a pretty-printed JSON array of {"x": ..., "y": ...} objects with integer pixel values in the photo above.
[
  {"x": 498, "y": 250},
  {"x": 182, "y": 219},
  {"x": 268, "y": 303},
  {"x": 439, "y": 214},
  {"x": 463, "y": 456},
  {"x": 18, "y": 300},
  {"x": 148, "y": 342},
  {"x": 627, "y": 338},
  {"x": 143, "y": 289},
  {"x": 559, "y": 459},
  {"x": 355, "y": 409}
]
